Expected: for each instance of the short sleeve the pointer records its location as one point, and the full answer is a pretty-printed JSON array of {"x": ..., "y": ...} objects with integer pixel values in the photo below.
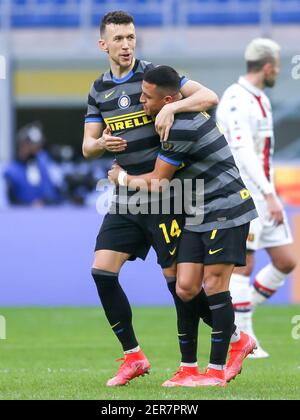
[
  {"x": 93, "y": 112},
  {"x": 175, "y": 152},
  {"x": 183, "y": 81}
]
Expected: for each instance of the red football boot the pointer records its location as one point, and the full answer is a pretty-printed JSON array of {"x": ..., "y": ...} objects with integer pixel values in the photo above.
[
  {"x": 134, "y": 365},
  {"x": 237, "y": 354},
  {"x": 211, "y": 377},
  {"x": 185, "y": 376}
]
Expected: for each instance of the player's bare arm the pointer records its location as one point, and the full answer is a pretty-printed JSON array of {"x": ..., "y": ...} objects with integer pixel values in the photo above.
[
  {"x": 97, "y": 140},
  {"x": 149, "y": 182},
  {"x": 196, "y": 98}
]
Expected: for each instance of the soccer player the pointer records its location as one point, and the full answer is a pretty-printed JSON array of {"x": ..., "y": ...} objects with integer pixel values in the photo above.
[
  {"x": 116, "y": 122},
  {"x": 245, "y": 114},
  {"x": 208, "y": 251}
]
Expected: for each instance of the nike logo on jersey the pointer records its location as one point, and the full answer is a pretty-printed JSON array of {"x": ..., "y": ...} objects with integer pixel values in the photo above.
[
  {"x": 215, "y": 252},
  {"x": 173, "y": 252},
  {"x": 107, "y": 95}
]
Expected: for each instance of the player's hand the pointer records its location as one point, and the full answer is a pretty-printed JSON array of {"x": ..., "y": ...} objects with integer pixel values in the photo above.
[
  {"x": 164, "y": 121},
  {"x": 111, "y": 143},
  {"x": 275, "y": 209},
  {"x": 113, "y": 173}
]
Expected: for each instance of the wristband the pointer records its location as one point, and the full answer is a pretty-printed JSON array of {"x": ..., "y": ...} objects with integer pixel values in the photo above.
[
  {"x": 267, "y": 189},
  {"x": 121, "y": 178}
]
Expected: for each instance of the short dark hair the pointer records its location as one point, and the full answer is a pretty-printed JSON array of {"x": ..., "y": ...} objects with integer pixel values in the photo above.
[
  {"x": 164, "y": 77},
  {"x": 256, "y": 66},
  {"x": 117, "y": 17}
]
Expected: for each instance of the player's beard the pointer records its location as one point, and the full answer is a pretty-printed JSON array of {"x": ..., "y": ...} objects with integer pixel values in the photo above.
[
  {"x": 122, "y": 64},
  {"x": 269, "y": 83}
]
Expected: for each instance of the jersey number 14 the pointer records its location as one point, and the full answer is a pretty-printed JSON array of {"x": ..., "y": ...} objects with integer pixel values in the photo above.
[{"x": 175, "y": 231}]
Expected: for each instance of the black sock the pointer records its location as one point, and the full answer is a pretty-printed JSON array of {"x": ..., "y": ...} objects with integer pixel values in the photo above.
[
  {"x": 116, "y": 307},
  {"x": 201, "y": 301},
  {"x": 223, "y": 326},
  {"x": 200, "y": 305},
  {"x": 187, "y": 326}
]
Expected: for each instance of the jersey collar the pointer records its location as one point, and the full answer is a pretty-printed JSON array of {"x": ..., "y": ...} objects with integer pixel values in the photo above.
[
  {"x": 248, "y": 86},
  {"x": 109, "y": 77}
]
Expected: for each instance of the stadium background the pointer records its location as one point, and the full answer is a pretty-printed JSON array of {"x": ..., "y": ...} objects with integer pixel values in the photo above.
[{"x": 51, "y": 58}]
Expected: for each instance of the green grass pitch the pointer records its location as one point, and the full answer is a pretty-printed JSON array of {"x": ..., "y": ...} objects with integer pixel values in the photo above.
[{"x": 69, "y": 353}]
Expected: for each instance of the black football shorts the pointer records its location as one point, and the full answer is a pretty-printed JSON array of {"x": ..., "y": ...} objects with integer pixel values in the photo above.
[
  {"x": 224, "y": 246},
  {"x": 135, "y": 234}
]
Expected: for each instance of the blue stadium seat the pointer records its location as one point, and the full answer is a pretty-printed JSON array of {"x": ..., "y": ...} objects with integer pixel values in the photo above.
[
  {"x": 224, "y": 12},
  {"x": 142, "y": 17},
  {"x": 19, "y": 1},
  {"x": 286, "y": 17},
  {"x": 46, "y": 13},
  {"x": 68, "y": 13}
]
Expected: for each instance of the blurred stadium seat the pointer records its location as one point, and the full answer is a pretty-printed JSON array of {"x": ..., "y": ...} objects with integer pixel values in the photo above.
[
  {"x": 71, "y": 13},
  {"x": 45, "y": 13}
]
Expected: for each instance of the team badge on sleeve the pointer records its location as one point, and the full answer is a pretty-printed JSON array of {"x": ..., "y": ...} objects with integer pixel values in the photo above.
[{"x": 165, "y": 145}]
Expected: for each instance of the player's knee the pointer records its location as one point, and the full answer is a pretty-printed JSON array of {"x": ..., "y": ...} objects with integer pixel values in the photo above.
[
  {"x": 104, "y": 267},
  {"x": 285, "y": 264},
  {"x": 186, "y": 293},
  {"x": 248, "y": 269},
  {"x": 109, "y": 261},
  {"x": 214, "y": 284},
  {"x": 244, "y": 271}
]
